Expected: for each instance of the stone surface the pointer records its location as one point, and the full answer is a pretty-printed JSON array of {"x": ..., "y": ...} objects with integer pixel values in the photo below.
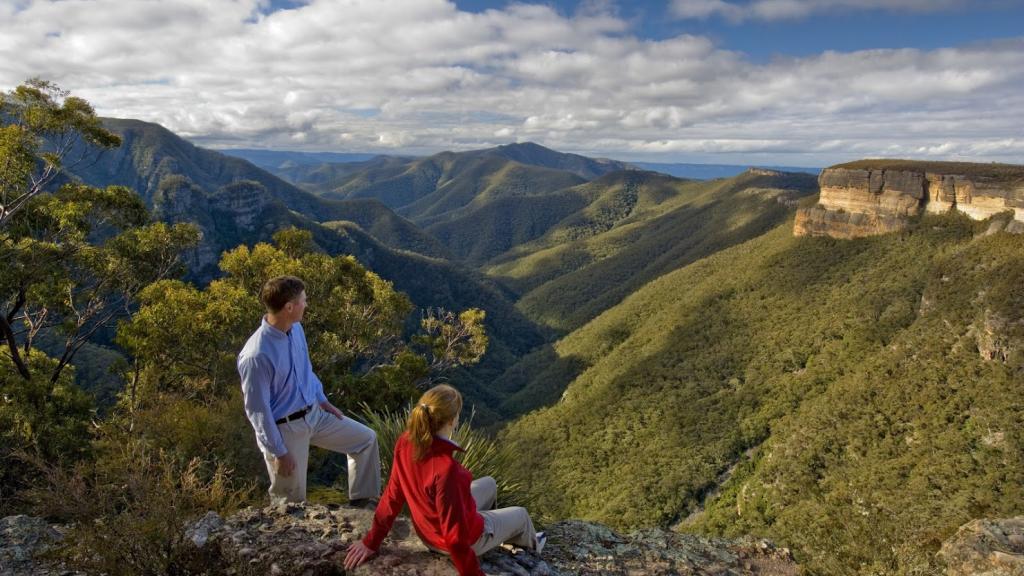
[
  {"x": 993, "y": 336},
  {"x": 986, "y": 548},
  {"x": 23, "y": 539},
  {"x": 820, "y": 221},
  {"x": 576, "y": 547},
  {"x": 311, "y": 540},
  {"x": 864, "y": 201}
]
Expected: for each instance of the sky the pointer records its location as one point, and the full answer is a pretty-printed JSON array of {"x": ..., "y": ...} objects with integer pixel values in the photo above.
[{"x": 780, "y": 82}]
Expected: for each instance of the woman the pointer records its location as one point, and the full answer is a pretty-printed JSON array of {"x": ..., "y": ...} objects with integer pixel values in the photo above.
[{"x": 450, "y": 511}]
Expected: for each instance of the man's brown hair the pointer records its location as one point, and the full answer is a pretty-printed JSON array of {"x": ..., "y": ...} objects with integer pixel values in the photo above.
[{"x": 279, "y": 291}]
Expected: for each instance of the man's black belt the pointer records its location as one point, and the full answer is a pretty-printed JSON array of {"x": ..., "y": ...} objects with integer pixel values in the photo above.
[{"x": 294, "y": 415}]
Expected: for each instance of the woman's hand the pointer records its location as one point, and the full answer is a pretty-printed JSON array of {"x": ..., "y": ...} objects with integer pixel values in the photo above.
[{"x": 357, "y": 554}]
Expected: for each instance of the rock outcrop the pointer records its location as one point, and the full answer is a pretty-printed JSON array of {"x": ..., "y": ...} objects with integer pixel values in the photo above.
[
  {"x": 311, "y": 540},
  {"x": 879, "y": 196},
  {"x": 224, "y": 217},
  {"x": 986, "y": 548},
  {"x": 22, "y": 540},
  {"x": 577, "y": 547}
]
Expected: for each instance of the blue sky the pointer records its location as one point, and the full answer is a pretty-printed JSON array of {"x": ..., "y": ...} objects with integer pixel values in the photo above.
[
  {"x": 837, "y": 29},
  {"x": 790, "y": 82}
]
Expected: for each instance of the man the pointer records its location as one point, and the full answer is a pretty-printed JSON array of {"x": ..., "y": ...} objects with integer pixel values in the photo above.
[{"x": 286, "y": 405}]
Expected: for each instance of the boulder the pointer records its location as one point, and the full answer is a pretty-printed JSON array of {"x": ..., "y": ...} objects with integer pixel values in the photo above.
[
  {"x": 23, "y": 539},
  {"x": 986, "y": 548}
]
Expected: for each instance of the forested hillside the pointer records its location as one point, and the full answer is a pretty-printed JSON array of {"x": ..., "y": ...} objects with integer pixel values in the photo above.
[
  {"x": 640, "y": 225},
  {"x": 866, "y": 390}
]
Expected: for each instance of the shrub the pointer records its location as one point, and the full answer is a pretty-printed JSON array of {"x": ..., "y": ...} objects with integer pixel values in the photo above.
[{"x": 129, "y": 508}]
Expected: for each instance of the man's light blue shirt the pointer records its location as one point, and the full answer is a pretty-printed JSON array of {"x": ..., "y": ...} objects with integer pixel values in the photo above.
[{"x": 277, "y": 380}]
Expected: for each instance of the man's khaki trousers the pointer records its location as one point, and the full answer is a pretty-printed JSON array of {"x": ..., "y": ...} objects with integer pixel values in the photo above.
[
  {"x": 325, "y": 430},
  {"x": 512, "y": 525}
]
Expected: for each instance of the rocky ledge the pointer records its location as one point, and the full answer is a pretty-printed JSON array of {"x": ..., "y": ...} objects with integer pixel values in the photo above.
[
  {"x": 986, "y": 548},
  {"x": 878, "y": 196},
  {"x": 311, "y": 540}
]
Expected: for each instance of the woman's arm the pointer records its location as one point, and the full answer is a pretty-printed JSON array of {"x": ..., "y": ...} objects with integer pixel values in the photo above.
[
  {"x": 391, "y": 503},
  {"x": 451, "y": 502}
]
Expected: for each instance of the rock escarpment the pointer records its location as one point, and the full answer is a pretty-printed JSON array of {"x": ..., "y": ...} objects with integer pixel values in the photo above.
[
  {"x": 224, "y": 217},
  {"x": 879, "y": 196},
  {"x": 311, "y": 540}
]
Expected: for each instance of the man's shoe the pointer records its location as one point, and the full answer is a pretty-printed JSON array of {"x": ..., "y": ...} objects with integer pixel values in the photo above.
[
  {"x": 542, "y": 539},
  {"x": 364, "y": 503}
]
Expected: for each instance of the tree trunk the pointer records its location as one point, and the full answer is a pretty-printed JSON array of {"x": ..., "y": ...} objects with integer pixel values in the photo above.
[{"x": 12, "y": 345}]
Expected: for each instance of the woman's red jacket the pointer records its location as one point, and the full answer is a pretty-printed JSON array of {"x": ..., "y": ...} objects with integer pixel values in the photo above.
[{"x": 436, "y": 489}]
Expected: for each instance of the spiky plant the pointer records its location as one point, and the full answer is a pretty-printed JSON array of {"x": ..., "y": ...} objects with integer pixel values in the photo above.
[{"x": 483, "y": 456}]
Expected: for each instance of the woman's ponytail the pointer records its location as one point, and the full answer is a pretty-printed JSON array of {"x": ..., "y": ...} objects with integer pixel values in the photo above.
[{"x": 436, "y": 408}]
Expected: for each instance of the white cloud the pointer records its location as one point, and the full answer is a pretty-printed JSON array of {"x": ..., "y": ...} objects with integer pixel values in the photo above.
[
  {"x": 792, "y": 9},
  {"x": 420, "y": 76}
]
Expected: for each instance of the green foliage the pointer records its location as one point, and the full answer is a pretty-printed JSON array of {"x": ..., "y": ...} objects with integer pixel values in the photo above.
[
  {"x": 75, "y": 260},
  {"x": 39, "y": 419},
  {"x": 41, "y": 124},
  {"x": 452, "y": 339},
  {"x": 215, "y": 430},
  {"x": 639, "y": 226},
  {"x": 354, "y": 321},
  {"x": 484, "y": 456},
  {"x": 183, "y": 395},
  {"x": 172, "y": 320},
  {"x": 878, "y": 380}
]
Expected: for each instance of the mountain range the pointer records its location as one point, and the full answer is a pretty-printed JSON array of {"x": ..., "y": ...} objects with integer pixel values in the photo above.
[{"x": 669, "y": 352}]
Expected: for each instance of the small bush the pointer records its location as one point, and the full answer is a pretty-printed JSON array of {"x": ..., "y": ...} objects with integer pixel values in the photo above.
[{"x": 129, "y": 508}]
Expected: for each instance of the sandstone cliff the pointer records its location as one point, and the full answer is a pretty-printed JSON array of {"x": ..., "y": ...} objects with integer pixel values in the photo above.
[{"x": 879, "y": 196}]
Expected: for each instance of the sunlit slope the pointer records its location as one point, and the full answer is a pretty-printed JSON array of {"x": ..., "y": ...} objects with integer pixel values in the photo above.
[
  {"x": 389, "y": 228},
  {"x": 641, "y": 225},
  {"x": 434, "y": 189},
  {"x": 881, "y": 380}
]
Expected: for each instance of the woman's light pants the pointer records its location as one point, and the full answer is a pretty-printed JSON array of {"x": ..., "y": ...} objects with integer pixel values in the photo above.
[{"x": 512, "y": 525}]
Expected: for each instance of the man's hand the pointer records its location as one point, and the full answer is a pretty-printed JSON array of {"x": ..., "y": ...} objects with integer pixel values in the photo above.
[
  {"x": 331, "y": 409},
  {"x": 285, "y": 465},
  {"x": 357, "y": 554}
]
